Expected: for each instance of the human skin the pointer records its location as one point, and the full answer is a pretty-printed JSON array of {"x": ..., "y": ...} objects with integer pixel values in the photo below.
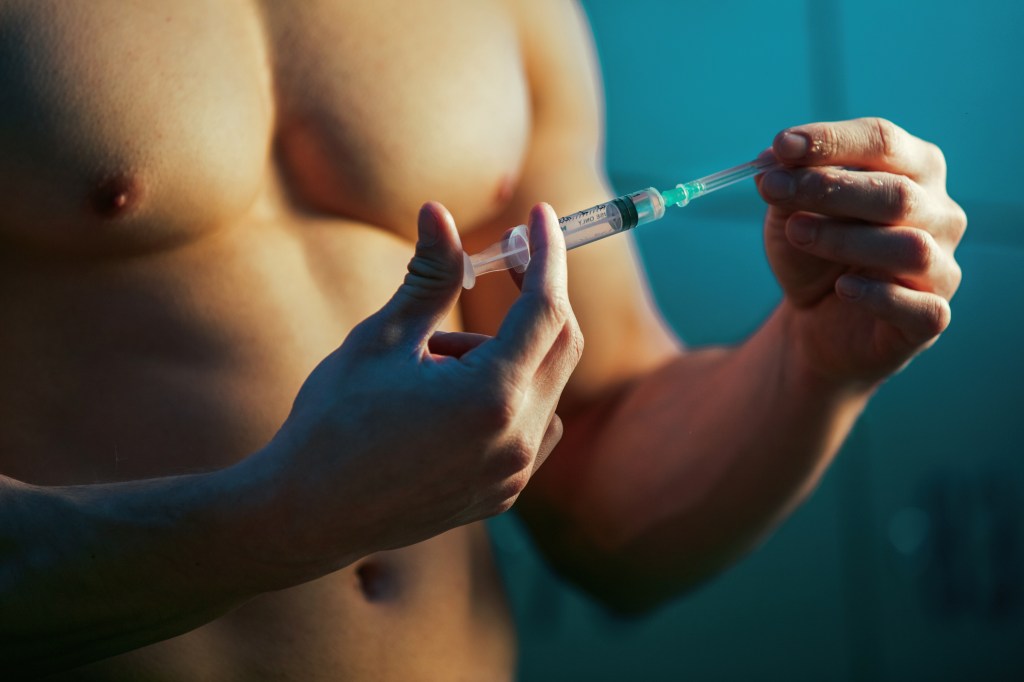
[{"x": 181, "y": 251}]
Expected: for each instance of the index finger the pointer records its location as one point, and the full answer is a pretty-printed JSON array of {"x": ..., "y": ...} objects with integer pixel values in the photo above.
[
  {"x": 866, "y": 143},
  {"x": 538, "y": 316}
]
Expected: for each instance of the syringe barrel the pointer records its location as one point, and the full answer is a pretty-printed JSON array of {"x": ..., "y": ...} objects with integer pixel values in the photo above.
[
  {"x": 649, "y": 204},
  {"x": 612, "y": 217}
]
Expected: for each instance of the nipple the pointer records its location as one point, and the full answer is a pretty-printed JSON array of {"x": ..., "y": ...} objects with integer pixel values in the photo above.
[
  {"x": 506, "y": 187},
  {"x": 115, "y": 196}
]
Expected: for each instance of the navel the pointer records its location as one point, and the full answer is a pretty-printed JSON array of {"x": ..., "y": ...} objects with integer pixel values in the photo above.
[
  {"x": 116, "y": 196},
  {"x": 377, "y": 581}
]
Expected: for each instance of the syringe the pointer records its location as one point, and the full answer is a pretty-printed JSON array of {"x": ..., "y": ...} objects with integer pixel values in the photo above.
[{"x": 612, "y": 217}]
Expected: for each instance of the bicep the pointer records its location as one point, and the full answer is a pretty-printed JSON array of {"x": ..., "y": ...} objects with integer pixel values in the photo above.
[{"x": 624, "y": 334}]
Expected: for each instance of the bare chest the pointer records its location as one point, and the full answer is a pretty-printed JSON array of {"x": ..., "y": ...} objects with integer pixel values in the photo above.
[
  {"x": 193, "y": 174},
  {"x": 129, "y": 126},
  {"x": 384, "y": 105},
  {"x": 206, "y": 182}
]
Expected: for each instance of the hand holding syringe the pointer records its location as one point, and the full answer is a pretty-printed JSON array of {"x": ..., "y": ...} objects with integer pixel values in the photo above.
[{"x": 597, "y": 222}]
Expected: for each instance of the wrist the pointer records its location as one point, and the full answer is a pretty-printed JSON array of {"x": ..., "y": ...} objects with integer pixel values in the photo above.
[
  {"x": 251, "y": 514},
  {"x": 280, "y": 538},
  {"x": 803, "y": 369}
]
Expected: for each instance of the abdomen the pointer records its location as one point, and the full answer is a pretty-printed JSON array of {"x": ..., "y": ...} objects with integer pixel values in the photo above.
[{"x": 441, "y": 616}]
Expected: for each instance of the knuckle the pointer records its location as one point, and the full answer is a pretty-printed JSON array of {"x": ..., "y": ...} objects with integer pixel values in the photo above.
[
  {"x": 889, "y": 137},
  {"x": 519, "y": 458},
  {"x": 919, "y": 250},
  {"x": 937, "y": 317},
  {"x": 903, "y": 198},
  {"x": 937, "y": 159},
  {"x": 956, "y": 276},
  {"x": 509, "y": 490},
  {"x": 959, "y": 220},
  {"x": 514, "y": 462},
  {"x": 509, "y": 461}
]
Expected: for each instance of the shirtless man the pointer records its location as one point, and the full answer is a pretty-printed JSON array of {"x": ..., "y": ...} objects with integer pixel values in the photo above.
[{"x": 200, "y": 200}]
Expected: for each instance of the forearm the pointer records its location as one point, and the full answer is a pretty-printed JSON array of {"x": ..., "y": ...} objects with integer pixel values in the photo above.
[
  {"x": 90, "y": 571},
  {"x": 688, "y": 467}
]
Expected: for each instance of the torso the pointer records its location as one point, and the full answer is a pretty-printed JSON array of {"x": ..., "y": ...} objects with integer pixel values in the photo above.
[{"x": 198, "y": 200}]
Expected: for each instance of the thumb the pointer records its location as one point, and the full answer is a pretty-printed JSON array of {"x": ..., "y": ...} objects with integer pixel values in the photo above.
[{"x": 433, "y": 283}]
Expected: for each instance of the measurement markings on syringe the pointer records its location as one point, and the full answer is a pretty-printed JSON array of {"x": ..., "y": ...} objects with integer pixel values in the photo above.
[{"x": 590, "y": 216}]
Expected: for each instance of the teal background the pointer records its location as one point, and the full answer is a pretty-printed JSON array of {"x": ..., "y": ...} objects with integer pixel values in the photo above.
[{"x": 908, "y": 562}]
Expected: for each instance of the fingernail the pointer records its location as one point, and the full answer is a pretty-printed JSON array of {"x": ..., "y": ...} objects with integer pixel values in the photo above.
[
  {"x": 779, "y": 185},
  {"x": 802, "y": 232},
  {"x": 793, "y": 146},
  {"x": 851, "y": 287},
  {"x": 428, "y": 226}
]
